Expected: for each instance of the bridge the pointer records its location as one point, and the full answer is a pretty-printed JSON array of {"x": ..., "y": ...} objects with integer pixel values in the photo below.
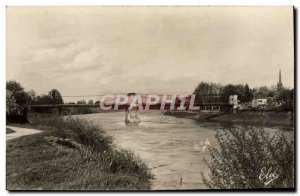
[{"x": 218, "y": 104}]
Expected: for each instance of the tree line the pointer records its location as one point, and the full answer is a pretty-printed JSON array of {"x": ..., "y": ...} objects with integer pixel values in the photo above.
[
  {"x": 17, "y": 98},
  {"x": 247, "y": 94}
]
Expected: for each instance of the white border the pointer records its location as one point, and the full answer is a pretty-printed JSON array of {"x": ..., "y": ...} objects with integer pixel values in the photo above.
[{"x": 4, "y": 3}]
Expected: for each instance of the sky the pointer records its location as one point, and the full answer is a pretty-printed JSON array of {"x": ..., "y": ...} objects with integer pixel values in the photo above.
[{"x": 165, "y": 50}]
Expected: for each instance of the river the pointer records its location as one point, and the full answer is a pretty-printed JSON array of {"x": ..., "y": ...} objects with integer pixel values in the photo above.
[{"x": 171, "y": 147}]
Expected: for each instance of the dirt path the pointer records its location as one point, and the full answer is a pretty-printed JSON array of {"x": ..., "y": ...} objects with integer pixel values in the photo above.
[{"x": 19, "y": 132}]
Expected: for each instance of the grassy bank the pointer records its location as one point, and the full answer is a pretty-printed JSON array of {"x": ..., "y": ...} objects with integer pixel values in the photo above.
[
  {"x": 265, "y": 119},
  {"x": 8, "y": 131},
  {"x": 72, "y": 154}
]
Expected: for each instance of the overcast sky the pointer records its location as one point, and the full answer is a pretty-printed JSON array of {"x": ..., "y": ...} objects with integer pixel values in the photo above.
[{"x": 83, "y": 51}]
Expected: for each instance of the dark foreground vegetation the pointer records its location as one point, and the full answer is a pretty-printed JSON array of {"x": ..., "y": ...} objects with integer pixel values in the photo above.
[
  {"x": 251, "y": 158},
  {"x": 72, "y": 154}
]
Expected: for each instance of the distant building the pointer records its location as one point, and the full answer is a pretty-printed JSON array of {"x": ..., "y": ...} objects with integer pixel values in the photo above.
[
  {"x": 259, "y": 102},
  {"x": 279, "y": 84},
  {"x": 233, "y": 99}
]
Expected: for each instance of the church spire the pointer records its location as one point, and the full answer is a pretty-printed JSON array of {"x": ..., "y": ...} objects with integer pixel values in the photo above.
[{"x": 279, "y": 84}]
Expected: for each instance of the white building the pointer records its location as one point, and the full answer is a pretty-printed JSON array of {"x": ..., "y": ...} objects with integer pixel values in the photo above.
[
  {"x": 233, "y": 99},
  {"x": 259, "y": 102}
]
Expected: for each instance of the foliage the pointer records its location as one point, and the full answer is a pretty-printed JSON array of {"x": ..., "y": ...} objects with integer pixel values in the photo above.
[
  {"x": 16, "y": 96},
  {"x": 55, "y": 97},
  {"x": 211, "y": 89},
  {"x": 11, "y": 105},
  {"x": 81, "y": 102},
  {"x": 72, "y": 154},
  {"x": 204, "y": 89},
  {"x": 245, "y": 154},
  {"x": 30, "y": 97},
  {"x": 42, "y": 99},
  {"x": 246, "y": 94},
  {"x": 263, "y": 92}
]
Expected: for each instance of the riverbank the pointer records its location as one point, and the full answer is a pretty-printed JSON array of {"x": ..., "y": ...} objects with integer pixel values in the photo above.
[
  {"x": 72, "y": 154},
  {"x": 254, "y": 118}
]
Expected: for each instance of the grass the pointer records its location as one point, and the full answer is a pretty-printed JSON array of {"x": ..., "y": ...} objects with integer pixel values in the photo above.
[
  {"x": 8, "y": 131},
  {"x": 265, "y": 119},
  {"x": 72, "y": 154}
]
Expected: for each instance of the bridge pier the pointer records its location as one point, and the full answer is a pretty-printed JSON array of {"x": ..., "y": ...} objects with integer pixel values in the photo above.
[{"x": 131, "y": 115}]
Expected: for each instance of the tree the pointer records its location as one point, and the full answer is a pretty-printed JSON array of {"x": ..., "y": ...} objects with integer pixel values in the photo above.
[
  {"x": 229, "y": 89},
  {"x": 283, "y": 94},
  {"x": 11, "y": 104},
  {"x": 17, "y": 91},
  {"x": 202, "y": 89},
  {"x": 55, "y": 97},
  {"x": 261, "y": 92},
  {"x": 245, "y": 155},
  {"x": 90, "y": 102},
  {"x": 81, "y": 102},
  {"x": 30, "y": 97},
  {"x": 43, "y": 99},
  {"x": 286, "y": 97},
  {"x": 205, "y": 89},
  {"x": 248, "y": 93}
]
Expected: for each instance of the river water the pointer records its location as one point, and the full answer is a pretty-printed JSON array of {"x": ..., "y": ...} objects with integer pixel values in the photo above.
[{"x": 173, "y": 148}]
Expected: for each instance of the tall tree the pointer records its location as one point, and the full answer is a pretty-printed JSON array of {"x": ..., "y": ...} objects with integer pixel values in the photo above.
[
  {"x": 229, "y": 89},
  {"x": 90, "y": 102},
  {"x": 202, "y": 89},
  {"x": 17, "y": 91},
  {"x": 11, "y": 104},
  {"x": 248, "y": 93},
  {"x": 55, "y": 97}
]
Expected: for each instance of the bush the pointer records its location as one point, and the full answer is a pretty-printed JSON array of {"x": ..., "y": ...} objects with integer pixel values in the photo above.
[
  {"x": 82, "y": 131},
  {"x": 250, "y": 157}
]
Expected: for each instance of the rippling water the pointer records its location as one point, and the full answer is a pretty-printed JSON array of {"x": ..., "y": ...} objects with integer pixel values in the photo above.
[{"x": 168, "y": 145}]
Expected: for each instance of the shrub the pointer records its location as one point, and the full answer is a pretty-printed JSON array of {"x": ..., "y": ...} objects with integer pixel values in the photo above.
[
  {"x": 250, "y": 157},
  {"x": 82, "y": 131}
]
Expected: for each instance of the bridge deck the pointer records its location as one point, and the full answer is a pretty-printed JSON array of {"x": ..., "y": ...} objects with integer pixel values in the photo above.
[{"x": 157, "y": 106}]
